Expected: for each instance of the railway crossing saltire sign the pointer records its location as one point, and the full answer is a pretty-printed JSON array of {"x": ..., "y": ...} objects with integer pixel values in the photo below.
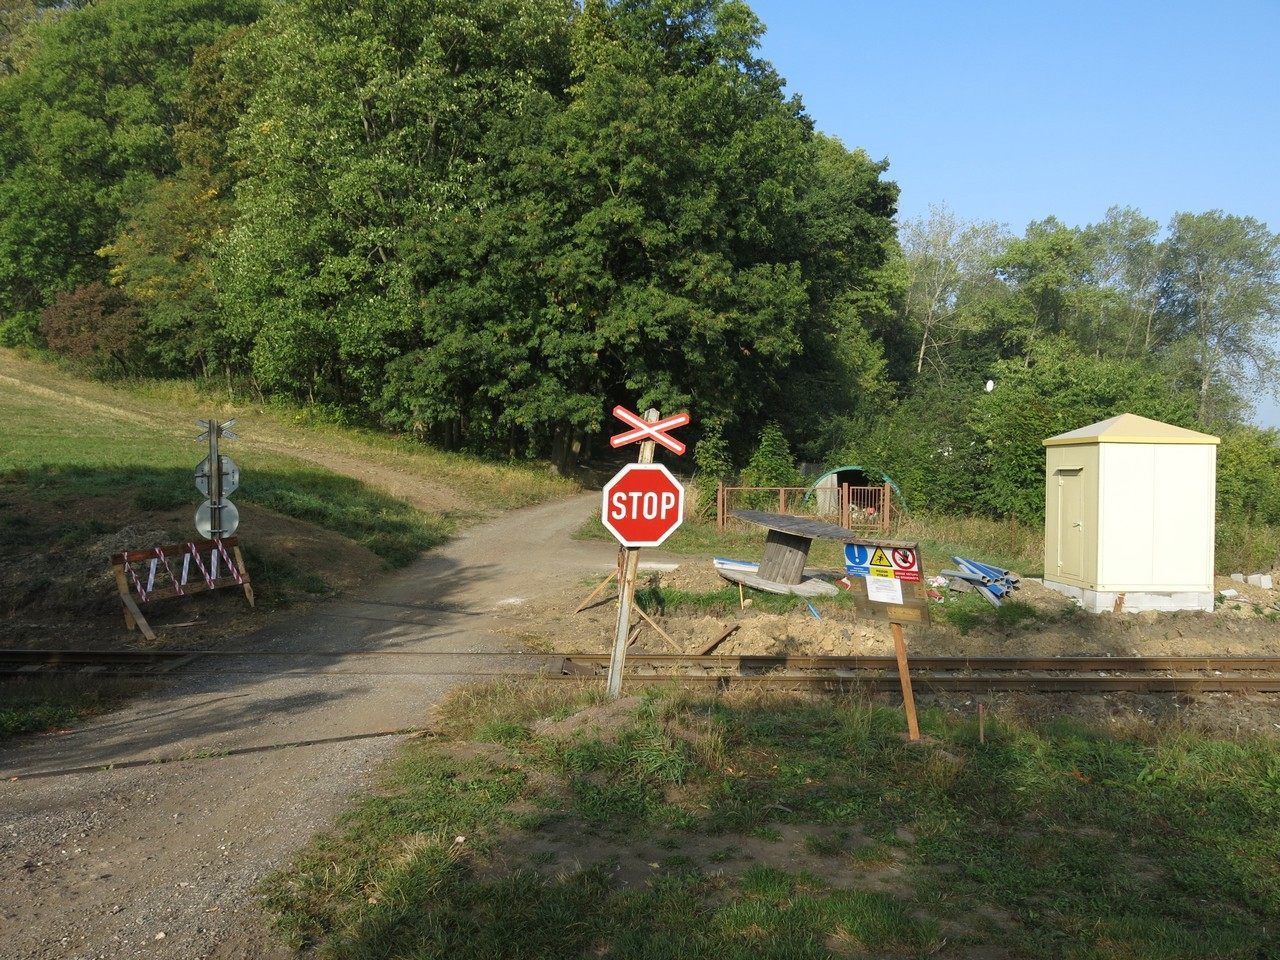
[{"x": 643, "y": 430}]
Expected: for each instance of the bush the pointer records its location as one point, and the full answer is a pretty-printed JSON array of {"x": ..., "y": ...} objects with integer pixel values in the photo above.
[
  {"x": 95, "y": 324},
  {"x": 1249, "y": 475},
  {"x": 772, "y": 465},
  {"x": 20, "y": 330}
]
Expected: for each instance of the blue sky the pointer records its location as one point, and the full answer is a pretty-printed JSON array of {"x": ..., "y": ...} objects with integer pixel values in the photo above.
[{"x": 1014, "y": 111}]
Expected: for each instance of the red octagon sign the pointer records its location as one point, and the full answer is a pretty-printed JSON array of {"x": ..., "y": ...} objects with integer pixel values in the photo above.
[{"x": 643, "y": 505}]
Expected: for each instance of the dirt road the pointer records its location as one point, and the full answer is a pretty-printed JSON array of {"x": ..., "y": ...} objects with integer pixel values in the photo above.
[{"x": 161, "y": 860}]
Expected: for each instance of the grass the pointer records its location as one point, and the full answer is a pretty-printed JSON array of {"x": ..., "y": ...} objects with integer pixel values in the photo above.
[
  {"x": 30, "y": 706},
  {"x": 794, "y": 827},
  {"x": 133, "y": 443},
  {"x": 1012, "y": 544}
]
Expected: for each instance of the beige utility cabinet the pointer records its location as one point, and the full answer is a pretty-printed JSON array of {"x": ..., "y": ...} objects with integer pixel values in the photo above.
[{"x": 1129, "y": 510}]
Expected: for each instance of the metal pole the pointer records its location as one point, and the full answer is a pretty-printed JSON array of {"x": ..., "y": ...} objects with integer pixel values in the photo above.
[
  {"x": 215, "y": 482},
  {"x": 627, "y": 587}
]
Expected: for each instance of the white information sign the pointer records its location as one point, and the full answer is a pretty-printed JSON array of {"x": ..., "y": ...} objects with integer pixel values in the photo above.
[{"x": 884, "y": 589}]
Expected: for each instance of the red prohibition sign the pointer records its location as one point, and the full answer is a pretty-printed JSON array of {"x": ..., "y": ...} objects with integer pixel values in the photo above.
[
  {"x": 904, "y": 559},
  {"x": 644, "y": 430}
]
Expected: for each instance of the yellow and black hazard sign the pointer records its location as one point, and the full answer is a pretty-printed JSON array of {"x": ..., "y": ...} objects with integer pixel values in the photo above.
[{"x": 879, "y": 565}]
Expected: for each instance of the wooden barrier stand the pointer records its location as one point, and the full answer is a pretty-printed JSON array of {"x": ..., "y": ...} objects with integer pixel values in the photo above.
[{"x": 175, "y": 570}]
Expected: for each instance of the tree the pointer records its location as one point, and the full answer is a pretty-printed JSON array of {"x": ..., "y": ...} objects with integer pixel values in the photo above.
[
  {"x": 1223, "y": 286},
  {"x": 88, "y": 122},
  {"x": 947, "y": 260},
  {"x": 484, "y": 220},
  {"x": 161, "y": 256}
]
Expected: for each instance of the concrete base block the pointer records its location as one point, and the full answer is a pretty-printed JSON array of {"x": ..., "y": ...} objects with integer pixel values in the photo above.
[
  {"x": 1104, "y": 601},
  {"x": 1261, "y": 580}
]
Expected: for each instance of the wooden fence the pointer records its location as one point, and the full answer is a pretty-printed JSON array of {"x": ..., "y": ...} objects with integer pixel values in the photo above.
[{"x": 854, "y": 508}]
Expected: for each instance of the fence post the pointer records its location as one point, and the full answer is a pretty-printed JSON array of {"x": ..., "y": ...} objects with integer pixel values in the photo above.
[
  {"x": 844, "y": 505},
  {"x": 886, "y": 504},
  {"x": 782, "y": 499},
  {"x": 719, "y": 504}
]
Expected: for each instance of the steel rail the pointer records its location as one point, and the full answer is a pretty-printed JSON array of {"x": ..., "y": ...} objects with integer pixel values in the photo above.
[
  {"x": 753, "y": 661},
  {"x": 959, "y": 674}
]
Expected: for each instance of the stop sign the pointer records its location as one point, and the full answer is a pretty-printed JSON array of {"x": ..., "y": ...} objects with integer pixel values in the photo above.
[{"x": 643, "y": 505}]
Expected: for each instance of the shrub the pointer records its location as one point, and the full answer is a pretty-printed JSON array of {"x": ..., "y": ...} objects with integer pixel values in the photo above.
[{"x": 95, "y": 324}]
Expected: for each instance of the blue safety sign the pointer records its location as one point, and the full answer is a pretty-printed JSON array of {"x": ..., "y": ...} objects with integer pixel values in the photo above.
[{"x": 857, "y": 560}]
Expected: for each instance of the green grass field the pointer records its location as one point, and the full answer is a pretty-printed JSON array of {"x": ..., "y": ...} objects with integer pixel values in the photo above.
[{"x": 769, "y": 825}]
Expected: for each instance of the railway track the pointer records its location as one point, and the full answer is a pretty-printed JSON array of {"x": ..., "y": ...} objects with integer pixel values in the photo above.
[{"x": 961, "y": 674}]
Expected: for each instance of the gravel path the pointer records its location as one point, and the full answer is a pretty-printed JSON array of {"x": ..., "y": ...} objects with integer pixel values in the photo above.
[{"x": 161, "y": 860}]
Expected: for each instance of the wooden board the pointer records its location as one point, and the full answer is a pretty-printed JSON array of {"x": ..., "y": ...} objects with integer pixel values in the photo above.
[
  {"x": 913, "y": 609},
  {"x": 813, "y": 529},
  {"x": 808, "y": 587}
]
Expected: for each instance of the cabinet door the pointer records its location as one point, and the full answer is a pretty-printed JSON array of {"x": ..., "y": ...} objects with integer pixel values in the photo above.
[{"x": 1071, "y": 522}]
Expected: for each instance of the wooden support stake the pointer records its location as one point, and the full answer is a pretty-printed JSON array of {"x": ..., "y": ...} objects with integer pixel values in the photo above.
[
  {"x": 742, "y": 598},
  {"x": 613, "y": 575},
  {"x": 982, "y": 722},
  {"x": 244, "y": 574},
  {"x": 730, "y": 631},
  {"x": 665, "y": 636},
  {"x": 904, "y": 677}
]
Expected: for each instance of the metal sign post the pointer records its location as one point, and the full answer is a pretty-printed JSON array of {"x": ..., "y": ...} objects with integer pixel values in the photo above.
[
  {"x": 217, "y": 477},
  {"x": 667, "y": 514}
]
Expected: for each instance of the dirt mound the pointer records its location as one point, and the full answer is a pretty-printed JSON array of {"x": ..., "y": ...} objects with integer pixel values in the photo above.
[{"x": 603, "y": 722}]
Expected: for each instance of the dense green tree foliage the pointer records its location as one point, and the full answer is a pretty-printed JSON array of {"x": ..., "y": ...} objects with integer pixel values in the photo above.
[
  {"x": 486, "y": 222},
  {"x": 87, "y": 126}
]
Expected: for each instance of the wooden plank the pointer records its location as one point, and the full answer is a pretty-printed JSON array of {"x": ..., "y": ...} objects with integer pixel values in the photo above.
[
  {"x": 813, "y": 529},
  {"x": 904, "y": 678},
  {"x": 914, "y": 607},
  {"x": 138, "y": 618},
  {"x": 596, "y": 592},
  {"x": 665, "y": 636},
  {"x": 122, "y": 585},
  {"x": 785, "y": 555},
  {"x": 171, "y": 549},
  {"x": 730, "y": 631},
  {"x": 809, "y": 587},
  {"x": 244, "y": 573}
]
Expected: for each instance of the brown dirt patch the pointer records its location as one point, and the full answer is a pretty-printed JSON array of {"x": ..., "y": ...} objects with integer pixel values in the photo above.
[
  {"x": 604, "y": 722},
  {"x": 51, "y": 591},
  {"x": 1248, "y": 626}
]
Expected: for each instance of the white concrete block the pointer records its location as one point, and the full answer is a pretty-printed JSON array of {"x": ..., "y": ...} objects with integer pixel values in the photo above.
[
  {"x": 1238, "y": 577},
  {"x": 1260, "y": 580}
]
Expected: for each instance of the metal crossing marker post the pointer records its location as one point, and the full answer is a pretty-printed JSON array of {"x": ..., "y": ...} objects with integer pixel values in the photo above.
[
  {"x": 216, "y": 477},
  {"x": 649, "y": 506}
]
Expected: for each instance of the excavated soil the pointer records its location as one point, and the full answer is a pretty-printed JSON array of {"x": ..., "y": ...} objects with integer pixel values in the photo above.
[{"x": 1248, "y": 624}]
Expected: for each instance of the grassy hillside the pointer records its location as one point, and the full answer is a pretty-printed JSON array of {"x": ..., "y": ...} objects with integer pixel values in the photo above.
[{"x": 87, "y": 469}]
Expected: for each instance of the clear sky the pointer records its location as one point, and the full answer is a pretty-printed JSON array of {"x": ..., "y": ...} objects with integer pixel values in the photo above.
[{"x": 1011, "y": 111}]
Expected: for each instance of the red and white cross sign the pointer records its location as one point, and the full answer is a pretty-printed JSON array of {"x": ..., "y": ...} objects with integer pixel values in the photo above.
[{"x": 644, "y": 430}]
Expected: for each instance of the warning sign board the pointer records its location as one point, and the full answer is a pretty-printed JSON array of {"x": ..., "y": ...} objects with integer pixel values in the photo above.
[{"x": 906, "y": 563}]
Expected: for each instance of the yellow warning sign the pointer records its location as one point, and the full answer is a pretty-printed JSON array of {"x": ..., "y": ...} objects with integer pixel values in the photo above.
[{"x": 880, "y": 565}]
